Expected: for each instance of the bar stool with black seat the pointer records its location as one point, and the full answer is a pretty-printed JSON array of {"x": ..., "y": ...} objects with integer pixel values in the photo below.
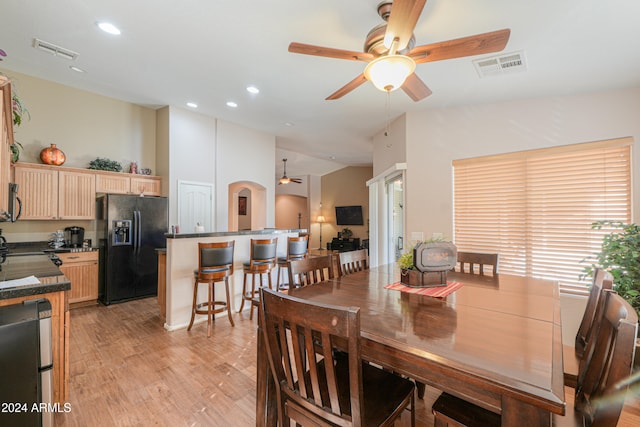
[
  {"x": 215, "y": 265},
  {"x": 261, "y": 261},
  {"x": 297, "y": 248}
]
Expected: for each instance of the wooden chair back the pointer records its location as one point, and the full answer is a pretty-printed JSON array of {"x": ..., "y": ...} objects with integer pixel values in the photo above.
[
  {"x": 312, "y": 270},
  {"x": 215, "y": 260},
  {"x": 263, "y": 254},
  {"x": 601, "y": 280},
  {"x": 353, "y": 261},
  {"x": 300, "y": 340},
  {"x": 471, "y": 259},
  {"x": 609, "y": 362}
]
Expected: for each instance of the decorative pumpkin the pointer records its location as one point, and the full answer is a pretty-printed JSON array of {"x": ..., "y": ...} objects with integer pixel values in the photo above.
[{"x": 52, "y": 156}]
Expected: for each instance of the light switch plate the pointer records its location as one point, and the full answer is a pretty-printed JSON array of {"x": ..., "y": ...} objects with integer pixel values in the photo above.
[{"x": 417, "y": 236}]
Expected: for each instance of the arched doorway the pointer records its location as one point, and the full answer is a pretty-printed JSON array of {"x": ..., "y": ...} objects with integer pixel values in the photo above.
[{"x": 247, "y": 206}]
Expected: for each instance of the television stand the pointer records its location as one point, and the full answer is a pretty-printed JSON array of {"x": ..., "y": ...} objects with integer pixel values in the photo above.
[{"x": 344, "y": 245}]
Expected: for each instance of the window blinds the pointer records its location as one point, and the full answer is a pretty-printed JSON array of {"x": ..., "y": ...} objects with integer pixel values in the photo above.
[{"x": 536, "y": 208}]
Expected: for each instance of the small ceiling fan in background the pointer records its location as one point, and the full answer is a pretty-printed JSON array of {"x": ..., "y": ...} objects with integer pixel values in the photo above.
[
  {"x": 392, "y": 55},
  {"x": 285, "y": 179}
]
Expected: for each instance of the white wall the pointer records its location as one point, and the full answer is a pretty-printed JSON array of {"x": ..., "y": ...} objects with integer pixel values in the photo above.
[
  {"x": 243, "y": 155},
  {"x": 436, "y": 137}
]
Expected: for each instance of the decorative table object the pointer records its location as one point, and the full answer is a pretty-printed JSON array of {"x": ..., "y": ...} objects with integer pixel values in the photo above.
[
  {"x": 52, "y": 156},
  {"x": 427, "y": 265}
]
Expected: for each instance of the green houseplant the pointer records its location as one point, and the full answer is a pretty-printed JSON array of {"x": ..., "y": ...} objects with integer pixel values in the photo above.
[
  {"x": 620, "y": 255},
  {"x": 19, "y": 111}
]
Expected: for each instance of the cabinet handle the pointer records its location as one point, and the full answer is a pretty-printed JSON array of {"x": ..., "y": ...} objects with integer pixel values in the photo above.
[{"x": 74, "y": 257}]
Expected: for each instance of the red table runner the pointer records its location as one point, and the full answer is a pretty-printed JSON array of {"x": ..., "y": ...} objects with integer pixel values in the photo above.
[{"x": 437, "y": 292}]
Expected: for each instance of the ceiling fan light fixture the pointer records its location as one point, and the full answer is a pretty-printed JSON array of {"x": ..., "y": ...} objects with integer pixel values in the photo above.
[
  {"x": 388, "y": 73},
  {"x": 284, "y": 180}
]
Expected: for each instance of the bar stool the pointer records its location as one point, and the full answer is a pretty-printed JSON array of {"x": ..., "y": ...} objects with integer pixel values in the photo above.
[
  {"x": 215, "y": 264},
  {"x": 262, "y": 261},
  {"x": 297, "y": 248}
]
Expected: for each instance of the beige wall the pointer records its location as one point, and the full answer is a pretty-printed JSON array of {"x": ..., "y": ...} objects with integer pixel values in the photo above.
[
  {"x": 346, "y": 187},
  {"x": 288, "y": 207},
  {"x": 83, "y": 125}
]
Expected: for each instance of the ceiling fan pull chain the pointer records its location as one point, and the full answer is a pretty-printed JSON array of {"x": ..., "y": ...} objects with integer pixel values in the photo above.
[{"x": 387, "y": 107}]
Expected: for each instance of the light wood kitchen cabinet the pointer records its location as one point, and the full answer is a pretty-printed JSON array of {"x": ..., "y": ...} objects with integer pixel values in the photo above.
[
  {"x": 81, "y": 268},
  {"x": 148, "y": 185},
  {"x": 38, "y": 189},
  {"x": 49, "y": 193},
  {"x": 6, "y": 139},
  {"x": 120, "y": 183}
]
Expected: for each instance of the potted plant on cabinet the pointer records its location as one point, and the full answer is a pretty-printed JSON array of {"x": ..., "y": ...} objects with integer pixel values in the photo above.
[{"x": 19, "y": 112}]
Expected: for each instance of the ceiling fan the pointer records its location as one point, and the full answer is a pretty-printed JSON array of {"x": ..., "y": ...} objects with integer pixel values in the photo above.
[
  {"x": 285, "y": 179},
  {"x": 391, "y": 54}
]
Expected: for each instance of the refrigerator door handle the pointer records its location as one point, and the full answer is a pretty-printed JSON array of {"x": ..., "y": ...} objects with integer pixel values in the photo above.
[
  {"x": 134, "y": 237},
  {"x": 139, "y": 232}
]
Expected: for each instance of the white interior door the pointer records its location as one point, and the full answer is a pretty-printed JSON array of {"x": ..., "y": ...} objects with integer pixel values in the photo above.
[
  {"x": 195, "y": 205},
  {"x": 395, "y": 217}
]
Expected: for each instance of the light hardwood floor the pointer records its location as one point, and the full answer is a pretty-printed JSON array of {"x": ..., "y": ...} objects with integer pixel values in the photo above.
[{"x": 126, "y": 370}]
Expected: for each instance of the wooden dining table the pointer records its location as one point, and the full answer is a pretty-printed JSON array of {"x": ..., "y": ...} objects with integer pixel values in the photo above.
[{"x": 496, "y": 341}]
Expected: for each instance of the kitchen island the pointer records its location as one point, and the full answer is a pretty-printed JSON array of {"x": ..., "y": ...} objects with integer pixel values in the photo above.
[
  {"x": 182, "y": 260},
  {"x": 53, "y": 286}
]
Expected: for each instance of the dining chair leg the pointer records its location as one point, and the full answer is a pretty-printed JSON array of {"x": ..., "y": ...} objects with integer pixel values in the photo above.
[
  {"x": 193, "y": 307},
  {"x": 226, "y": 288},
  {"x": 420, "y": 388}
]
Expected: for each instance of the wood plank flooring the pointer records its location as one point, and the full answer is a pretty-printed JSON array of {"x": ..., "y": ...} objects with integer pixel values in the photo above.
[{"x": 126, "y": 370}]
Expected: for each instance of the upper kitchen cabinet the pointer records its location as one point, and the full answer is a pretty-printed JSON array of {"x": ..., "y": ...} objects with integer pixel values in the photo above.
[
  {"x": 124, "y": 183},
  {"x": 48, "y": 192},
  {"x": 6, "y": 139}
]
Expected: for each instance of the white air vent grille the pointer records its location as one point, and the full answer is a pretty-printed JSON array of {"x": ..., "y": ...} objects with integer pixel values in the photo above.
[
  {"x": 54, "y": 50},
  {"x": 506, "y": 63}
]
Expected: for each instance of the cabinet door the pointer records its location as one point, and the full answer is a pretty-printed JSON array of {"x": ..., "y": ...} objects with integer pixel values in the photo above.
[
  {"x": 147, "y": 185},
  {"x": 6, "y": 138},
  {"x": 113, "y": 184},
  {"x": 81, "y": 268},
  {"x": 77, "y": 198},
  {"x": 38, "y": 190}
]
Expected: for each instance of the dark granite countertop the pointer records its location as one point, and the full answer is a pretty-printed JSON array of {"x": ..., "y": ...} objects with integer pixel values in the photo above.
[
  {"x": 265, "y": 231},
  {"x": 38, "y": 265}
]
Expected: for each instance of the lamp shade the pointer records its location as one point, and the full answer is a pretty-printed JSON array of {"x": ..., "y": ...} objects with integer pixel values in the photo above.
[
  {"x": 389, "y": 72},
  {"x": 320, "y": 219}
]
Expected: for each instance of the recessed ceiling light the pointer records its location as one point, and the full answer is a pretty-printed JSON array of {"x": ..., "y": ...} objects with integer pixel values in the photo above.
[
  {"x": 192, "y": 105},
  {"x": 77, "y": 69},
  {"x": 253, "y": 89},
  {"x": 108, "y": 27},
  {"x": 231, "y": 104},
  {"x": 332, "y": 157},
  {"x": 289, "y": 124}
]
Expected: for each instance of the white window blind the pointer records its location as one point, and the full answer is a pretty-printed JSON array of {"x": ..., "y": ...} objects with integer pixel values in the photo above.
[{"x": 536, "y": 208}]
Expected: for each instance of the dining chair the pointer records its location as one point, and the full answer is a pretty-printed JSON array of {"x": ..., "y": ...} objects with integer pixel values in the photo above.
[
  {"x": 353, "y": 261},
  {"x": 311, "y": 270},
  {"x": 572, "y": 355},
  {"x": 297, "y": 248},
  {"x": 262, "y": 260},
  {"x": 471, "y": 259},
  {"x": 317, "y": 385},
  {"x": 215, "y": 265},
  {"x": 602, "y": 384}
]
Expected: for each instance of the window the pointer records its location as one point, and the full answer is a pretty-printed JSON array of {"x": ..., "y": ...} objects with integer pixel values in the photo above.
[{"x": 536, "y": 208}]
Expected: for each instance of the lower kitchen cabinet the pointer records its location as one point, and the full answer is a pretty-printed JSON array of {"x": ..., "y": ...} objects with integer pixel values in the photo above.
[{"x": 81, "y": 268}]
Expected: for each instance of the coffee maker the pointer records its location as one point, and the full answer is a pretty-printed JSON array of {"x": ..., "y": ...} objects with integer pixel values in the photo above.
[{"x": 73, "y": 237}]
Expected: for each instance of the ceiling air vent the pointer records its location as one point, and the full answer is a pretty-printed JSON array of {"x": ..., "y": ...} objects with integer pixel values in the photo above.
[
  {"x": 506, "y": 63},
  {"x": 54, "y": 50}
]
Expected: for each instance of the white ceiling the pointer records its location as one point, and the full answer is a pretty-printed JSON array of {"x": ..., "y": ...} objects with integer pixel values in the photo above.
[{"x": 207, "y": 51}]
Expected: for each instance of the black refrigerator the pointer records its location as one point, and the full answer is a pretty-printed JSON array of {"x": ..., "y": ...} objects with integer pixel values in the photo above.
[{"x": 129, "y": 230}]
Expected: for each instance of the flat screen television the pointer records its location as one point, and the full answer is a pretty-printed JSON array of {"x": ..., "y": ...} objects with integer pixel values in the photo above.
[{"x": 349, "y": 215}]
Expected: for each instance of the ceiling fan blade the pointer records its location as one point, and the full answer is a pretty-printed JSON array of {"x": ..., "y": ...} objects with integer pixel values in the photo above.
[
  {"x": 353, "y": 84},
  {"x": 402, "y": 21},
  {"x": 415, "y": 88},
  {"x": 296, "y": 180},
  {"x": 479, "y": 44},
  {"x": 329, "y": 52}
]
